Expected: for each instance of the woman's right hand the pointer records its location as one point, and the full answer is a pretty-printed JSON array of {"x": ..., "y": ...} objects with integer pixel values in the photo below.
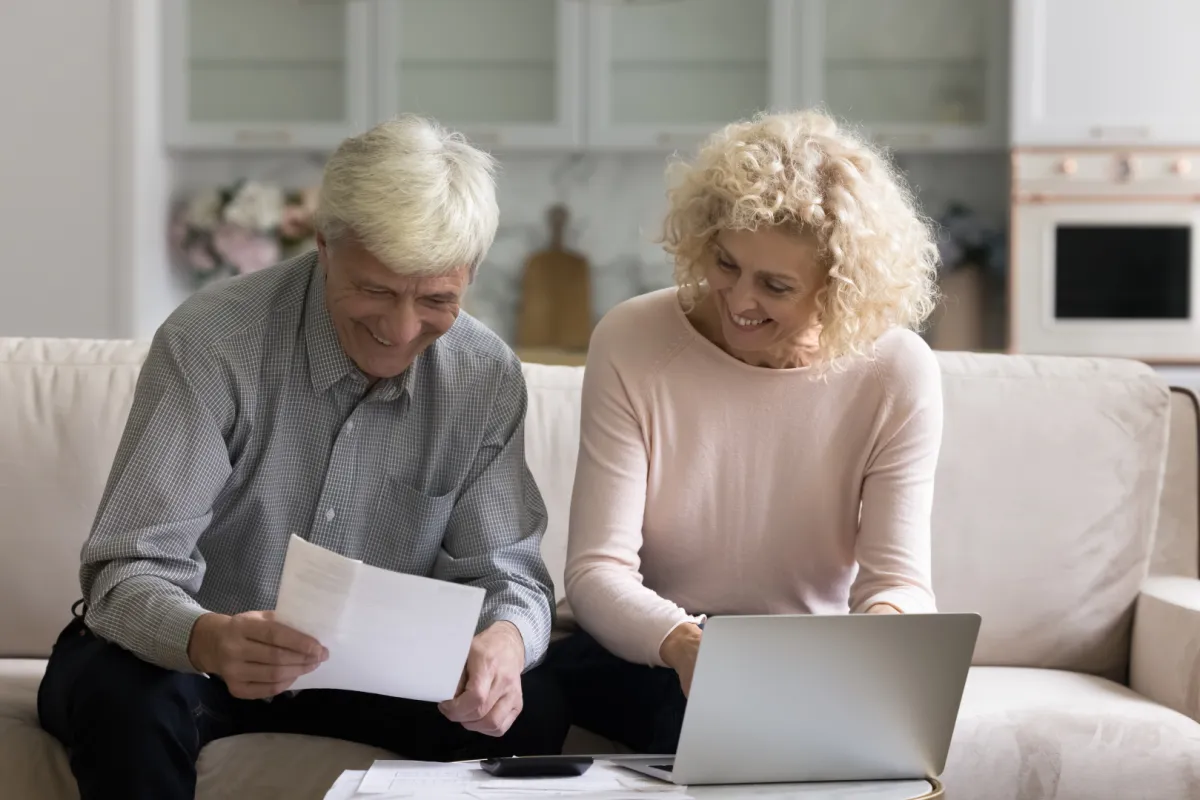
[{"x": 679, "y": 651}]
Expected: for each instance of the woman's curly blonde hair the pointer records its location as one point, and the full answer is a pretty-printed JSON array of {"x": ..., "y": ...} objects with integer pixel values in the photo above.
[{"x": 802, "y": 171}]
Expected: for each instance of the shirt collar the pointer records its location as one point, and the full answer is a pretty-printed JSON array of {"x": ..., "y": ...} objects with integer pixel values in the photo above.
[{"x": 328, "y": 363}]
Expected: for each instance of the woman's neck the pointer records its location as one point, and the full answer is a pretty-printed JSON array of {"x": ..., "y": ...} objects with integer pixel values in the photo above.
[{"x": 798, "y": 350}]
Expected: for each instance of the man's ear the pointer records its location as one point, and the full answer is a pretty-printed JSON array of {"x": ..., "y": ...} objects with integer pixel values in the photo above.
[{"x": 323, "y": 252}]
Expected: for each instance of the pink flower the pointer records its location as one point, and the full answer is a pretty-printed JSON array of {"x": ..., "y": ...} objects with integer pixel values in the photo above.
[
  {"x": 246, "y": 251},
  {"x": 200, "y": 259},
  {"x": 296, "y": 222}
]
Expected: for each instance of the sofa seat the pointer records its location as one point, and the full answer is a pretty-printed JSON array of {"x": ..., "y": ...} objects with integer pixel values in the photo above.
[
  {"x": 1040, "y": 734},
  {"x": 1022, "y": 734},
  {"x": 251, "y": 767}
]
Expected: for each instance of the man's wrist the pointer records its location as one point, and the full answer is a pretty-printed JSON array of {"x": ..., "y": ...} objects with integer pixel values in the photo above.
[
  {"x": 205, "y": 632},
  {"x": 510, "y": 631}
]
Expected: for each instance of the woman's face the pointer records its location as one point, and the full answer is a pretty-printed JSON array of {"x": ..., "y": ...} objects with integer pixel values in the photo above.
[{"x": 764, "y": 285}]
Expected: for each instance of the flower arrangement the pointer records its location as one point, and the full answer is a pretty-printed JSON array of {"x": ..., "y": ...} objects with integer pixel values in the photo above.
[{"x": 241, "y": 228}]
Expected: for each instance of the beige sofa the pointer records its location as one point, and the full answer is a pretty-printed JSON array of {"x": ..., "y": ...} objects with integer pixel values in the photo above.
[{"x": 1055, "y": 477}]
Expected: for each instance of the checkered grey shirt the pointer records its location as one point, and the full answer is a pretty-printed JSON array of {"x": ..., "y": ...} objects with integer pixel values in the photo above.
[{"x": 250, "y": 423}]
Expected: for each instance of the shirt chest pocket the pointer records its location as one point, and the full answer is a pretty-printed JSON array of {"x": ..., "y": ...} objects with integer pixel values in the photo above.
[{"x": 407, "y": 529}]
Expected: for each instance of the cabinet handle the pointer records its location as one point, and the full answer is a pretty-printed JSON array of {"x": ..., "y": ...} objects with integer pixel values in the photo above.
[
  {"x": 1120, "y": 132},
  {"x": 280, "y": 136}
]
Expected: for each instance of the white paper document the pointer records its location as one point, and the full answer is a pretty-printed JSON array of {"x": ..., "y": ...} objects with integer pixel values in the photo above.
[
  {"x": 392, "y": 776},
  {"x": 387, "y": 633},
  {"x": 392, "y": 780}
]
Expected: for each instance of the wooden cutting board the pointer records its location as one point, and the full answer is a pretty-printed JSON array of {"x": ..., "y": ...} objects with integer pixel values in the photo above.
[{"x": 556, "y": 304}]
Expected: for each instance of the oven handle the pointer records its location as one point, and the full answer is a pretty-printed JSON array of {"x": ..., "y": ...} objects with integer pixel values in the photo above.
[{"x": 1042, "y": 199}]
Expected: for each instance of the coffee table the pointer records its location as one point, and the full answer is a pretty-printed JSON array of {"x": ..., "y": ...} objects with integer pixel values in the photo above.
[{"x": 928, "y": 789}]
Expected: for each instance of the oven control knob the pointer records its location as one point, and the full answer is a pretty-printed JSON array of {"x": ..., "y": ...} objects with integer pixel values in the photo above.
[
  {"x": 1127, "y": 168},
  {"x": 1068, "y": 166},
  {"x": 1181, "y": 166}
]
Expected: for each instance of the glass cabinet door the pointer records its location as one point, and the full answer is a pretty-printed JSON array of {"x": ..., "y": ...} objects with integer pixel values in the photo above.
[
  {"x": 915, "y": 73},
  {"x": 504, "y": 72},
  {"x": 662, "y": 74},
  {"x": 265, "y": 73}
]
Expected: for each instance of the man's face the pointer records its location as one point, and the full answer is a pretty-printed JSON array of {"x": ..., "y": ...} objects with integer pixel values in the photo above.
[{"x": 384, "y": 320}]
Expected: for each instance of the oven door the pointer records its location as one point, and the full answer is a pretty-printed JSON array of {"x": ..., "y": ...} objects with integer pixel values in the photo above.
[{"x": 1106, "y": 278}]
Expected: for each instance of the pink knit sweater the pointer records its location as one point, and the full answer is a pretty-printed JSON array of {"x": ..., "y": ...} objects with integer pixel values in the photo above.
[{"x": 708, "y": 486}]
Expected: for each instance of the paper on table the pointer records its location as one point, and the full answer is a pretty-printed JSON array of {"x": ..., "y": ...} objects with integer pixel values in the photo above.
[
  {"x": 392, "y": 776},
  {"x": 387, "y": 779},
  {"x": 387, "y": 633}
]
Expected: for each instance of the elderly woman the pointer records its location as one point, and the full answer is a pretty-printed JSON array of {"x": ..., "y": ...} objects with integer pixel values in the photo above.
[{"x": 761, "y": 439}]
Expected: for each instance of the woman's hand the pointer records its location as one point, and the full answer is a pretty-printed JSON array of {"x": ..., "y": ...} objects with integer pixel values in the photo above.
[
  {"x": 679, "y": 651},
  {"x": 883, "y": 608}
]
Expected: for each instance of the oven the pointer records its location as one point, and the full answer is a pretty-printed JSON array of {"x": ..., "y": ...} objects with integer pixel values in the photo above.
[{"x": 1104, "y": 254}]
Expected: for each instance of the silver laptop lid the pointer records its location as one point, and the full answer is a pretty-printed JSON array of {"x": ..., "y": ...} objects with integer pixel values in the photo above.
[{"x": 825, "y": 697}]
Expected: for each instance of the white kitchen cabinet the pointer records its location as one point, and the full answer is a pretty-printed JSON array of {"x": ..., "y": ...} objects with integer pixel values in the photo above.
[
  {"x": 507, "y": 73},
  {"x": 663, "y": 75},
  {"x": 266, "y": 74},
  {"x": 915, "y": 74},
  {"x": 1105, "y": 72}
]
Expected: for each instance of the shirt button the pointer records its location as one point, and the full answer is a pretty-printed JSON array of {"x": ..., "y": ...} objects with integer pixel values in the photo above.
[
  {"x": 350, "y": 426},
  {"x": 329, "y": 515}
]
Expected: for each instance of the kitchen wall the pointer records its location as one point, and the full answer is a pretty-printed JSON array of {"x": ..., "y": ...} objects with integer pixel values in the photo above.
[
  {"x": 57, "y": 172},
  {"x": 615, "y": 204}
]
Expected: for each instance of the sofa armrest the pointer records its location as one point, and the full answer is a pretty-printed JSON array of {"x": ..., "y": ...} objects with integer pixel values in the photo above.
[{"x": 1165, "y": 661}]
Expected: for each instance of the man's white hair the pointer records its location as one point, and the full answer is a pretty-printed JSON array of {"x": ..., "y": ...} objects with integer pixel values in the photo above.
[{"x": 417, "y": 196}]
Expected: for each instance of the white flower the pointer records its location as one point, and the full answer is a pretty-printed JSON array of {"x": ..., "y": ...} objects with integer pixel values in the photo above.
[
  {"x": 256, "y": 207},
  {"x": 204, "y": 210}
]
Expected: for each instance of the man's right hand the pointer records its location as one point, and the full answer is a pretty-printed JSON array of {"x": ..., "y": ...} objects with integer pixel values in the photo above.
[
  {"x": 255, "y": 655},
  {"x": 679, "y": 651}
]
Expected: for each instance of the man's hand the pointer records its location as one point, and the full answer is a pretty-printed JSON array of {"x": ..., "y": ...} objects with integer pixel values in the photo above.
[
  {"x": 255, "y": 655},
  {"x": 489, "y": 697},
  {"x": 679, "y": 651}
]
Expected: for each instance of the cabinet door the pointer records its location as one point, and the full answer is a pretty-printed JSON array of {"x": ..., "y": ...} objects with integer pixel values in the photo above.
[
  {"x": 504, "y": 72},
  {"x": 915, "y": 74},
  {"x": 665, "y": 74},
  {"x": 1105, "y": 72},
  {"x": 265, "y": 73}
]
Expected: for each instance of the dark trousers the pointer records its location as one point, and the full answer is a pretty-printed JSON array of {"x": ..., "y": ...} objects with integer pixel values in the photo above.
[
  {"x": 134, "y": 730},
  {"x": 637, "y": 705}
]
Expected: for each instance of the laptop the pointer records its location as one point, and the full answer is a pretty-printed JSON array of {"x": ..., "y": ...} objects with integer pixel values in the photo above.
[{"x": 800, "y": 698}]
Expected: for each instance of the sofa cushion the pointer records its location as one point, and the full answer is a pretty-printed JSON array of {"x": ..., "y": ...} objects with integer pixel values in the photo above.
[
  {"x": 32, "y": 763},
  {"x": 1032, "y": 734},
  {"x": 551, "y": 448},
  {"x": 1046, "y": 503},
  {"x": 1177, "y": 541},
  {"x": 65, "y": 405}
]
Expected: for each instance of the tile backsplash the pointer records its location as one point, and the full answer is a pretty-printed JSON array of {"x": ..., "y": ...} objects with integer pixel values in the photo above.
[{"x": 615, "y": 202}]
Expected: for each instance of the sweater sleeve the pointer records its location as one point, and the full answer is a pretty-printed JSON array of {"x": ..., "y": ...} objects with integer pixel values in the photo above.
[
  {"x": 603, "y": 580},
  {"x": 893, "y": 548}
]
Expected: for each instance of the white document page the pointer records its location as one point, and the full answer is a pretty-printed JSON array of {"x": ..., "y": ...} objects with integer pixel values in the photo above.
[
  {"x": 387, "y": 633},
  {"x": 386, "y": 779}
]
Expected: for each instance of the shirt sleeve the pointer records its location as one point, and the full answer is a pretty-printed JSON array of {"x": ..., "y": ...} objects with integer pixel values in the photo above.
[
  {"x": 494, "y": 536},
  {"x": 894, "y": 543},
  {"x": 604, "y": 583},
  {"x": 140, "y": 567}
]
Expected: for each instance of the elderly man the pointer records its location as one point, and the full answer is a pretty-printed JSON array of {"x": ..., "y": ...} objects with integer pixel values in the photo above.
[{"x": 342, "y": 396}]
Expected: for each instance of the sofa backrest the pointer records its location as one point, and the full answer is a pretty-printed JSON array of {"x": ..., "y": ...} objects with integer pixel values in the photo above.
[
  {"x": 1176, "y": 545},
  {"x": 1047, "y": 492}
]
